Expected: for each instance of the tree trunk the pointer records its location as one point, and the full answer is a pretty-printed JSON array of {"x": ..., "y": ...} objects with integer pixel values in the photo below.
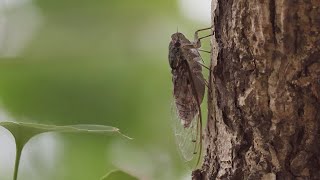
[{"x": 264, "y": 102}]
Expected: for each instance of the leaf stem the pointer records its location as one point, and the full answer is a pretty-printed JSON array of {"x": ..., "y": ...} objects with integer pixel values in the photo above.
[{"x": 17, "y": 162}]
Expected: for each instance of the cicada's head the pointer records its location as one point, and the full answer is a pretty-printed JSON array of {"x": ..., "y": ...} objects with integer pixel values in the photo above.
[{"x": 177, "y": 39}]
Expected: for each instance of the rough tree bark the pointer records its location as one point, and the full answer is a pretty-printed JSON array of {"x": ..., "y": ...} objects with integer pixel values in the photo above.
[{"x": 264, "y": 103}]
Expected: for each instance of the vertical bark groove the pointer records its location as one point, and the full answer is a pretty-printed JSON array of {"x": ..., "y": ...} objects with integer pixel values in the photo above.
[{"x": 264, "y": 102}]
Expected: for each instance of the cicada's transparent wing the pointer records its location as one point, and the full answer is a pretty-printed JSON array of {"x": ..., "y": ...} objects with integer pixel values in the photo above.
[
  {"x": 187, "y": 138},
  {"x": 188, "y": 95}
]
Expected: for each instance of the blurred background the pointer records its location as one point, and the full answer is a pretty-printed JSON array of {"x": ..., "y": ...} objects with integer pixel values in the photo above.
[{"x": 92, "y": 62}]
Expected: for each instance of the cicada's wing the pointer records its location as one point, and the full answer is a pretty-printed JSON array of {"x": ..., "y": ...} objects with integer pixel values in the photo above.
[
  {"x": 186, "y": 116},
  {"x": 187, "y": 138}
]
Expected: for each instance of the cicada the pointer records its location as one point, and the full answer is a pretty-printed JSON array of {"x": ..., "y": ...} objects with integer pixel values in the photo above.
[{"x": 188, "y": 92}]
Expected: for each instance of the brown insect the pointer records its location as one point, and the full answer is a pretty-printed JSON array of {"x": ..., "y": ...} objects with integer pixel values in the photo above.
[{"x": 188, "y": 92}]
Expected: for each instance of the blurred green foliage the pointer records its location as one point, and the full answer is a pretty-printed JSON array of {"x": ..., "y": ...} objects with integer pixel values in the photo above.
[{"x": 100, "y": 62}]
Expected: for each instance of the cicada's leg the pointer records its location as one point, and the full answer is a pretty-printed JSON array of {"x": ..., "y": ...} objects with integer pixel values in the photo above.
[
  {"x": 198, "y": 144},
  {"x": 204, "y": 66},
  {"x": 203, "y": 29},
  {"x": 201, "y": 50},
  {"x": 204, "y": 81},
  {"x": 197, "y": 43},
  {"x": 195, "y": 140},
  {"x": 201, "y": 63}
]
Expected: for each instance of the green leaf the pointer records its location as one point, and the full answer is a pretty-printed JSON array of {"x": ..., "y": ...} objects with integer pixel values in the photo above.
[
  {"x": 118, "y": 174},
  {"x": 23, "y": 132}
]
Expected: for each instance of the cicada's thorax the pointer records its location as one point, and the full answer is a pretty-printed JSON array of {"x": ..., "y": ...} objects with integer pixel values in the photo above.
[{"x": 187, "y": 78}]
